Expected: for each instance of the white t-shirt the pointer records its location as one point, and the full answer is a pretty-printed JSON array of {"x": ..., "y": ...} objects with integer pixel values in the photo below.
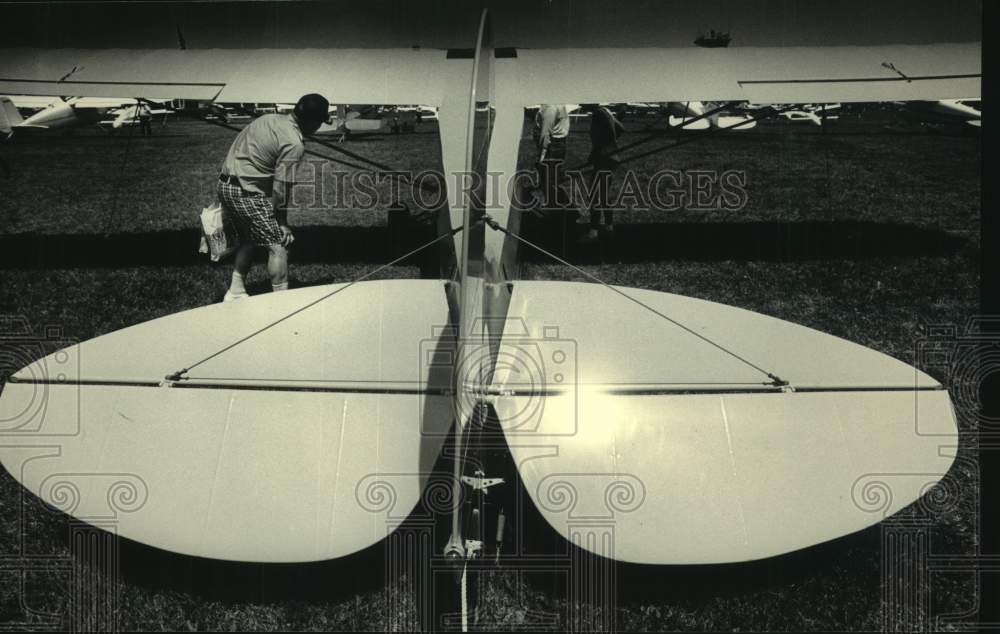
[{"x": 266, "y": 150}]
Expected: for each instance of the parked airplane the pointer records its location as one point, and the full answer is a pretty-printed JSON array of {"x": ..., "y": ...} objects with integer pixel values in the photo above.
[
  {"x": 797, "y": 116},
  {"x": 349, "y": 120},
  {"x": 362, "y": 119},
  {"x": 942, "y": 111},
  {"x": 57, "y": 113},
  {"x": 353, "y": 119},
  {"x": 129, "y": 116},
  {"x": 690, "y": 115},
  {"x": 806, "y": 113},
  {"x": 9, "y": 116},
  {"x": 423, "y": 113}
]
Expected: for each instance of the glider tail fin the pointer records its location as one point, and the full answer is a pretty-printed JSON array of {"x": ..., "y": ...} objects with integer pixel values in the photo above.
[{"x": 9, "y": 116}]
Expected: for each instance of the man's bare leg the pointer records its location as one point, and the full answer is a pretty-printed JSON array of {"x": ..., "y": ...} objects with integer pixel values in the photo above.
[
  {"x": 241, "y": 266},
  {"x": 244, "y": 259},
  {"x": 277, "y": 267}
]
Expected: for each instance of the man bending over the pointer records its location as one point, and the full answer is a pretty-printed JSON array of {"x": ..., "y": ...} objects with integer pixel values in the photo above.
[{"x": 255, "y": 187}]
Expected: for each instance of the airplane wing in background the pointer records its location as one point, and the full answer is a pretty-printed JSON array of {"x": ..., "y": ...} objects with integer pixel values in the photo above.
[
  {"x": 230, "y": 76},
  {"x": 761, "y": 75},
  {"x": 31, "y": 102},
  {"x": 150, "y": 73}
]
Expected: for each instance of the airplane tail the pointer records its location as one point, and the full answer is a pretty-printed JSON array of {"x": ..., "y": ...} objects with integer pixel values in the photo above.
[{"x": 9, "y": 116}]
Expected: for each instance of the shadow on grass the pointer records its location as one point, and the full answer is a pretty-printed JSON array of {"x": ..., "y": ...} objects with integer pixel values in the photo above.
[
  {"x": 639, "y": 242},
  {"x": 762, "y": 241},
  {"x": 695, "y": 584},
  {"x": 322, "y": 244},
  {"x": 231, "y": 581}
]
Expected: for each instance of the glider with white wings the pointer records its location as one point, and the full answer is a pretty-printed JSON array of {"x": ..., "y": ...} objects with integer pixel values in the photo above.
[
  {"x": 57, "y": 113},
  {"x": 261, "y": 428}
]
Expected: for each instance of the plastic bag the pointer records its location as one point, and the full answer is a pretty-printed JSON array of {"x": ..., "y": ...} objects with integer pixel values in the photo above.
[{"x": 219, "y": 232}]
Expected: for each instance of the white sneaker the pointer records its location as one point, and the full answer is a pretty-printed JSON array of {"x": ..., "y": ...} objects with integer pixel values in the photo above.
[{"x": 232, "y": 297}]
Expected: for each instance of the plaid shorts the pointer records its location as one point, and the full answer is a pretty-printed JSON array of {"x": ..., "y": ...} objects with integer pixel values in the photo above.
[{"x": 253, "y": 215}]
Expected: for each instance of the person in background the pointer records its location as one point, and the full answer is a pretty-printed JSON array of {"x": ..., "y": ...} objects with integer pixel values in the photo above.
[
  {"x": 255, "y": 186},
  {"x": 145, "y": 119},
  {"x": 604, "y": 132},
  {"x": 551, "y": 130}
]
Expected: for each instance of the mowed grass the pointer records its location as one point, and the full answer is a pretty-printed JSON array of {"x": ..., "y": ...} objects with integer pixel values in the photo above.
[
  {"x": 795, "y": 175},
  {"x": 88, "y": 181}
]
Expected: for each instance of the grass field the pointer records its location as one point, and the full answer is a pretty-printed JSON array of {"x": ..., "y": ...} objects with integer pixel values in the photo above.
[{"x": 867, "y": 234}]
